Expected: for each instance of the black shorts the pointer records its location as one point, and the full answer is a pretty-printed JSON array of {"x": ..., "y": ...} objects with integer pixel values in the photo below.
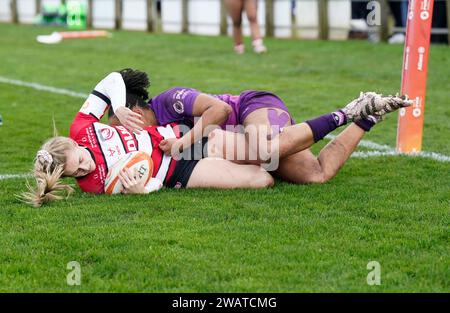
[{"x": 185, "y": 166}]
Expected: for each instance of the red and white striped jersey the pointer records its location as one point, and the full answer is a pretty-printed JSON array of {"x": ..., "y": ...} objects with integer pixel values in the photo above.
[{"x": 108, "y": 144}]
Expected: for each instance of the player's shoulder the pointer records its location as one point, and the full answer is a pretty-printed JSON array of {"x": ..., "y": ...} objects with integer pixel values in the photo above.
[
  {"x": 174, "y": 93},
  {"x": 80, "y": 122}
]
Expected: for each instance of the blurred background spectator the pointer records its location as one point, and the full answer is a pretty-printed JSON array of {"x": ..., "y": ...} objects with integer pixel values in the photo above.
[{"x": 235, "y": 10}]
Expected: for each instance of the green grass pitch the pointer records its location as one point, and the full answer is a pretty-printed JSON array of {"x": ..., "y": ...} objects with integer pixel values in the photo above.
[{"x": 315, "y": 238}]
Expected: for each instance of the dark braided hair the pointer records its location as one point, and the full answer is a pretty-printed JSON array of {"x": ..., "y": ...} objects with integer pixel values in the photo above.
[{"x": 136, "y": 83}]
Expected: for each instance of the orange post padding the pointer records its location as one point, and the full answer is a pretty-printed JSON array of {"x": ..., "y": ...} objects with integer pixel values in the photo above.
[{"x": 414, "y": 75}]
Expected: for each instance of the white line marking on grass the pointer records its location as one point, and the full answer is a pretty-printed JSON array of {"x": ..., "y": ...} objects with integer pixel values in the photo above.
[
  {"x": 367, "y": 144},
  {"x": 40, "y": 87},
  {"x": 14, "y": 176},
  {"x": 424, "y": 154},
  {"x": 385, "y": 150}
]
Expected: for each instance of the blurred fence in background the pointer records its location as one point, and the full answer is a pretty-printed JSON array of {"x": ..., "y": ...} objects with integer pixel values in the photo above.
[{"x": 324, "y": 19}]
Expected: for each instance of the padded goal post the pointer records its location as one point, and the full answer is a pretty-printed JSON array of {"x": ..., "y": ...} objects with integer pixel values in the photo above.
[{"x": 414, "y": 75}]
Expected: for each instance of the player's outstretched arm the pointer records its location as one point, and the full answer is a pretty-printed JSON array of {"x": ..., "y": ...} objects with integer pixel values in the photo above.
[{"x": 211, "y": 112}]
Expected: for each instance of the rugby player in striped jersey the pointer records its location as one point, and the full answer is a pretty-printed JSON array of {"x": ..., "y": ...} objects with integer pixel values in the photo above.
[{"x": 93, "y": 148}]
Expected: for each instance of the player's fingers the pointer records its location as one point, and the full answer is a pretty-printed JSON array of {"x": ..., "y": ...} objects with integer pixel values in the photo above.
[
  {"x": 123, "y": 181},
  {"x": 390, "y": 107},
  {"x": 407, "y": 103},
  {"x": 134, "y": 127},
  {"x": 136, "y": 176},
  {"x": 398, "y": 105},
  {"x": 135, "y": 115},
  {"x": 132, "y": 173},
  {"x": 362, "y": 114},
  {"x": 131, "y": 178},
  {"x": 132, "y": 124},
  {"x": 380, "y": 113},
  {"x": 139, "y": 178},
  {"x": 136, "y": 120},
  {"x": 404, "y": 101},
  {"x": 124, "y": 185},
  {"x": 165, "y": 147},
  {"x": 137, "y": 127},
  {"x": 127, "y": 177}
]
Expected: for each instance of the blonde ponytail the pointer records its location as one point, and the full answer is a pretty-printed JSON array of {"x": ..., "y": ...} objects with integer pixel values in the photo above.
[{"x": 48, "y": 169}]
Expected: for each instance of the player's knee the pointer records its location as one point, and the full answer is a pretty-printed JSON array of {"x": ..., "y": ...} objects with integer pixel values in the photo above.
[
  {"x": 252, "y": 18},
  {"x": 311, "y": 178},
  {"x": 262, "y": 179},
  {"x": 317, "y": 178},
  {"x": 269, "y": 180},
  {"x": 237, "y": 23}
]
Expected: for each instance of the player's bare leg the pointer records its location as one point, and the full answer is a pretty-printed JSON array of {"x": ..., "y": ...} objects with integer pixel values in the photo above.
[
  {"x": 299, "y": 167},
  {"x": 366, "y": 110},
  {"x": 251, "y": 10},
  {"x": 235, "y": 8},
  {"x": 224, "y": 174},
  {"x": 304, "y": 167},
  {"x": 297, "y": 163},
  {"x": 298, "y": 137}
]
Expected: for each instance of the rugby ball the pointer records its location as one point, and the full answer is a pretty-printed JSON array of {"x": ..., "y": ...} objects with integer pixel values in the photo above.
[{"x": 134, "y": 160}]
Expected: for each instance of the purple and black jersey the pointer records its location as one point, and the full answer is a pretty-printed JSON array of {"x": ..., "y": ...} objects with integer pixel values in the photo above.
[{"x": 176, "y": 105}]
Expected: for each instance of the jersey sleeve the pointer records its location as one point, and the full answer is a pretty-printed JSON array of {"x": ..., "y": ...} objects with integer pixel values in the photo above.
[
  {"x": 174, "y": 104},
  {"x": 110, "y": 91}
]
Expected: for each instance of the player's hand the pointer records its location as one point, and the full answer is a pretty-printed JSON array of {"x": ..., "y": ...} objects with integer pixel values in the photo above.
[
  {"x": 131, "y": 120},
  {"x": 131, "y": 181},
  {"x": 171, "y": 146}
]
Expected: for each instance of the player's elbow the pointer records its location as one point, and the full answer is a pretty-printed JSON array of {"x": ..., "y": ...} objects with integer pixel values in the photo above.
[
  {"x": 227, "y": 109},
  {"x": 223, "y": 110}
]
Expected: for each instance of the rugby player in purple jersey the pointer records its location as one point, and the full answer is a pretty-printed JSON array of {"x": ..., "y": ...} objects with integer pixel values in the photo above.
[{"x": 269, "y": 130}]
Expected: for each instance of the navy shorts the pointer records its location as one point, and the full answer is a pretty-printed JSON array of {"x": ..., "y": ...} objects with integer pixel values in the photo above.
[{"x": 185, "y": 166}]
